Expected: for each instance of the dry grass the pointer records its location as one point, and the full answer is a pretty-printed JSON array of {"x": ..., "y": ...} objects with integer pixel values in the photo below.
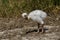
[{"x": 13, "y": 8}]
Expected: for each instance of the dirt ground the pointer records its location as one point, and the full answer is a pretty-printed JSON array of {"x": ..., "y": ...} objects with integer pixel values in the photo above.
[{"x": 20, "y": 29}]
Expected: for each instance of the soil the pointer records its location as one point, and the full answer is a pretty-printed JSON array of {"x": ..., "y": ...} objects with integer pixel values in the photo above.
[{"x": 21, "y": 29}]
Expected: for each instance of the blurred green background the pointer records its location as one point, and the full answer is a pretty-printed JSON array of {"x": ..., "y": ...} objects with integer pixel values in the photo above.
[{"x": 14, "y": 8}]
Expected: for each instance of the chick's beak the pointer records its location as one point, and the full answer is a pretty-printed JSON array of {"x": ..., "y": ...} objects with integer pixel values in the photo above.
[{"x": 26, "y": 17}]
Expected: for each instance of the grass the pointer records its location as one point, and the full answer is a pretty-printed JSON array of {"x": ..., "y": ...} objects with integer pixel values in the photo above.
[{"x": 14, "y": 8}]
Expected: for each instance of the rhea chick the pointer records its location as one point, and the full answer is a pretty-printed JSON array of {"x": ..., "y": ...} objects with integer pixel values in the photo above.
[{"x": 37, "y": 16}]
